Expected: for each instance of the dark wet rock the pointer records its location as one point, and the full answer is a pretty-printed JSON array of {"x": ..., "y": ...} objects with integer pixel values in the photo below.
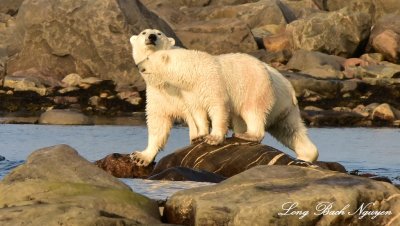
[
  {"x": 121, "y": 165},
  {"x": 70, "y": 190},
  {"x": 258, "y": 196},
  {"x": 89, "y": 38},
  {"x": 348, "y": 32},
  {"x": 2, "y": 158},
  {"x": 64, "y": 117},
  {"x": 370, "y": 176},
  {"x": 186, "y": 174},
  {"x": 228, "y": 159}
]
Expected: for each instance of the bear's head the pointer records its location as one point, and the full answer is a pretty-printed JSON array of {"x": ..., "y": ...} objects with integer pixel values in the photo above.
[
  {"x": 153, "y": 62},
  {"x": 147, "y": 42}
]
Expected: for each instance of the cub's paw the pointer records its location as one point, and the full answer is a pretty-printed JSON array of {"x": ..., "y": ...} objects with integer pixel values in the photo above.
[
  {"x": 140, "y": 159},
  {"x": 197, "y": 139},
  {"x": 213, "y": 140},
  {"x": 247, "y": 137}
]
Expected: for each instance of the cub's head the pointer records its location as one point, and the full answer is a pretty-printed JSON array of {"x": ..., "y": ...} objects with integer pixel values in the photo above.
[
  {"x": 147, "y": 42},
  {"x": 155, "y": 63}
]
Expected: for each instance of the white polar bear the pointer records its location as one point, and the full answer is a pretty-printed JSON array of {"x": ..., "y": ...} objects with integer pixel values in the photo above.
[
  {"x": 164, "y": 104},
  {"x": 239, "y": 86}
]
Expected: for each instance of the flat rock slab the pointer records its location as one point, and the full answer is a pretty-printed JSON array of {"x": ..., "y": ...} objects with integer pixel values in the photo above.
[
  {"x": 56, "y": 186},
  {"x": 287, "y": 195}
]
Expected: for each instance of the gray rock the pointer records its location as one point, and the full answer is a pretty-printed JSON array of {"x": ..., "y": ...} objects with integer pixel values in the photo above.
[
  {"x": 64, "y": 117},
  {"x": 90, "y": 38},
  {"x": 340, "y": 33},
  {"x": 263, "y": 194},
  {"x": 70, "y": 191}
]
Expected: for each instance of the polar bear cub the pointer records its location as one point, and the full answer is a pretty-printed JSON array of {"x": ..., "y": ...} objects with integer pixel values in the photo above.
[
  {"x": 237, "y": 87},
  {"x": 164, "y": 102}
]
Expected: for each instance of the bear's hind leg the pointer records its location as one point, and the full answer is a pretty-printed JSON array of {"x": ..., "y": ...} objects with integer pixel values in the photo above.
[
  {"x": 255, "y": 122},
  {"x": 291, "y": 132}
]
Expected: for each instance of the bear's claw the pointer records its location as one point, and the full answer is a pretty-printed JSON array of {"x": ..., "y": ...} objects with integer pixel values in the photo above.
[
  {"x": 299, "y": 162},
  {"x": 213, "y": 140},
  {"x": 139, "y": 159},
  {"x": 197, "y": 139}
]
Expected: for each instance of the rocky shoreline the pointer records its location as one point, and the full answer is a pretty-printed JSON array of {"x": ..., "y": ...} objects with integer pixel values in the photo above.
[
  {"x": 342, "y": 57},
  {"x": 252, "y": 189}
]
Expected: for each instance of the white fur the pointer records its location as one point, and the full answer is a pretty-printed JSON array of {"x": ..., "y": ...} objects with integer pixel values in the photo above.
[
  {"x": 164, "y": 102},
  {"x": 254, "y": 95},
  {"x": 239, "y": 86}
]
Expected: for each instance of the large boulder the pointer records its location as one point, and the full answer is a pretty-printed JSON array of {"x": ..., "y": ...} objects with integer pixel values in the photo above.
[
  {"x": 385, "y": 37},
  {"x": 56, "y": 186},
  {"x": 10, "y": 6},
  {"x": 218, "y": 26},
  {"x": 342, "y": 33},
  {"x": 90, "y": 38},
  {"x": 287, "y": 195}
]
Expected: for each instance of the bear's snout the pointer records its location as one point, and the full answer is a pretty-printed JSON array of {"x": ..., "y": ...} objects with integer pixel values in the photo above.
[{"x": 151, "y": 40}]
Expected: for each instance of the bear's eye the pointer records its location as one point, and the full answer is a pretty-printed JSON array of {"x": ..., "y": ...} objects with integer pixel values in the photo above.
[
  {"x": 158, "y": 33},
  {"x": 143, "y": 33}
]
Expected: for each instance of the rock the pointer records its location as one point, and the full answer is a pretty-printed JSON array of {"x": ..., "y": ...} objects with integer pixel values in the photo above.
[
  {"x": 22, "y": 83},
  {"x": 348, "y": 31},
  {"x": 385, "y": 37},
  {"x": 372, "y": 58},
  {"x": 84, "y": 37},
  {"x": 64, "y": 117},
  {"x": 302, "y": 8},
  {"x": 218, "y": 28},
  {"x": 331, "y": 118},
  {"x": 2, "y": 158},
  {"x": 72, "y": 79},
  {"x": 382, "y": 70},
  {"x": 263, "y": 194},
  {"x": 301, "y": 82},
  {"x": 132, "y": 97},
  {"x": 19, "y": 120},
  {"x": 277, "y": 43},
  {"x": 10, "y": 6},
  {"x": 228, "y": 159},
  {"x": 383, "y": 112},
  {"x": 71, "y": 191},
  {"x": 316, "y": 64},
  {"x": 202, "y": 36},
  {"x": 120, "y": 165},
  {"x": 186, "y": 174}
]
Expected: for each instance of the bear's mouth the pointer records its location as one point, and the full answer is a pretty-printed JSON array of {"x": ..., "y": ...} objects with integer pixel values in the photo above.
[{"x": 149, "y": 42}]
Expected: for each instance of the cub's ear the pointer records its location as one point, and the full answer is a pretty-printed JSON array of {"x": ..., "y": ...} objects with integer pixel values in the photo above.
[
  {"x": 132, "y": 39},
  {"x": 165, "y": 58},
  {"x": 171, "y": 41}
]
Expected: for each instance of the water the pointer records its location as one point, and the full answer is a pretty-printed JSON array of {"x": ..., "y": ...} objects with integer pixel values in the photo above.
[{"x": 368, "y": 150}]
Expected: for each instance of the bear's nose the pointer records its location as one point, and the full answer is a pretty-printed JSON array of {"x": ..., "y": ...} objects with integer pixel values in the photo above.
[{"x": 153, "y": 37}]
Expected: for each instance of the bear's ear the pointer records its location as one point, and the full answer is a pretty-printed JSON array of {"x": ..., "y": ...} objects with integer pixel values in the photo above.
[
  {"x": 164, "y": 58},
  {"x": 132, "y": 39},
  {"x": 171, "y": 41}
]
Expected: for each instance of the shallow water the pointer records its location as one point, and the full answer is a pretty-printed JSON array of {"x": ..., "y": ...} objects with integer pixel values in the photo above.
[{"x": 368, "y": 150}]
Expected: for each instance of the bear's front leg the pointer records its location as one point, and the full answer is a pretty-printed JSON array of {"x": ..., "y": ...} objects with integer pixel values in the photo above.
[
  {"x": 159, "y": 126},
  {"x": 219, "y": 115},
  {"x": 202, "y": 125}
]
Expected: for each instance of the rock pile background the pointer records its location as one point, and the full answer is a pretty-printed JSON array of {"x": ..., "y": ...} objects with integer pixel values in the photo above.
[{"x": 342, "y": 57}]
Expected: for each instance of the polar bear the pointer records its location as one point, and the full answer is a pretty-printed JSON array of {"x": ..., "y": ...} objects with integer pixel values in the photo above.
[
  {"x": 164, "y": 104},
  {"x": 236, "y": 87}
]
